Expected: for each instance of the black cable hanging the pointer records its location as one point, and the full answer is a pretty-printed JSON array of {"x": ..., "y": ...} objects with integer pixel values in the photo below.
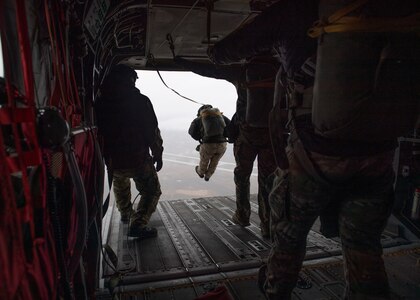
[
  {"x": 164, "y": 83},
  {"x": 171, "y": 44}
]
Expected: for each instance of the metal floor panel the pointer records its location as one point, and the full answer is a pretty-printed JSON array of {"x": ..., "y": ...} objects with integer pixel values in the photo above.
[{"x": 198, "y": 247}]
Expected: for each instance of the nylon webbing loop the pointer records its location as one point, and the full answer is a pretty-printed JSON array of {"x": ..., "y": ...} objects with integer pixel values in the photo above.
[
  {"x": 22, "y": 158},
  {"x": 338, "y": 22},
  {"x": 171, "y": 44},
  {"x": 16, "y": 115},
  {"x": 264, "y": 83}
]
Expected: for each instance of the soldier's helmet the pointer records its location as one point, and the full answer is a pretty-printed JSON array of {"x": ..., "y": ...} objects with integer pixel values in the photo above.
[
  {"x": 205, "y": 106},
  {"x": 122, "y": 74}
]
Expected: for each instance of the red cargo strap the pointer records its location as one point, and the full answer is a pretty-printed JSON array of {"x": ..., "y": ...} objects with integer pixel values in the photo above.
[
  {"x": 16, "y": 115},
  {"x": 220, "y": 293},
  {"x": 29, "y": 158}
]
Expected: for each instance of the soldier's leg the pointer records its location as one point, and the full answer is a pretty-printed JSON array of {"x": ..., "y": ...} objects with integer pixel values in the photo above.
[
  {"x": 122, "y": 192},
  {"x": 147, "y": 183},
  {"x": 205, "y": 155},
  {"x": 296, "y": 201},
  {"x": 219, "y": 150},
  {"x": 266, "y": 167},
  {"x": 245, "y": 155},
  {"x": 363, "y": 217}
]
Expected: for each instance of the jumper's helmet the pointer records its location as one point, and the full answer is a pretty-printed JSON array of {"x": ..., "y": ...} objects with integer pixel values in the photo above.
[
  {"x": 205, "y": 106},
  {"x": 122, "y": 74}
]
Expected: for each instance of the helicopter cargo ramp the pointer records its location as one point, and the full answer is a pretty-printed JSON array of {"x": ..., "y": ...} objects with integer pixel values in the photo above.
[{"x": 199, "y": 249}]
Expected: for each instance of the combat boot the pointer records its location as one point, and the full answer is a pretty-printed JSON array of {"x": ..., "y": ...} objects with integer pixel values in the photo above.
[
  {"x": 240, "y": 221},
  {"x": 125, "y": 216},
  {"x": 142, "y": 232},
  {"x": 198, "y": 172},
  {"x": 265, "y": 231}
]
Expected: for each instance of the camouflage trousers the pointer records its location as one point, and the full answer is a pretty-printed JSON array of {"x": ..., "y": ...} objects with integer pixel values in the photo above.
[
  {"x": 210, "y": 155},
  {"x": 147, "y": 184},
  {"x": 362, "y": 187},
  {"x": 245, "y": 155}
]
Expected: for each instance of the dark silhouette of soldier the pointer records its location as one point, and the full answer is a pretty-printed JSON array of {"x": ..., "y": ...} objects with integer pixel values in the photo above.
[{"x": 129, "y": 129}]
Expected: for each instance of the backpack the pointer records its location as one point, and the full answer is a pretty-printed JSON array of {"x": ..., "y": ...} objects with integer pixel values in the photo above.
[
  {"x": 367, "y": 84},
  {"x": 213, "y": 122}
]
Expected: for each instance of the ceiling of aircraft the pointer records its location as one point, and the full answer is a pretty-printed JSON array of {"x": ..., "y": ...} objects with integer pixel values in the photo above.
[{"x": 134, "y": 31}]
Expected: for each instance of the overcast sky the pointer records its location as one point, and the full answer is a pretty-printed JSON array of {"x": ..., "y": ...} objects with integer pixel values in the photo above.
[{"x": 174, "y": 112}]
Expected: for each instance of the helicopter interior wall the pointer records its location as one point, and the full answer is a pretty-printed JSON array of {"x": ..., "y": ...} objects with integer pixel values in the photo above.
[
  {"x": 11, "y": 53},
  {"x": 42, "y": 64}
]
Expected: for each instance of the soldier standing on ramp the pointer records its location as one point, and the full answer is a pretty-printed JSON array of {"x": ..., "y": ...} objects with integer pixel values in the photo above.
[{"x": 129, "y": 129}]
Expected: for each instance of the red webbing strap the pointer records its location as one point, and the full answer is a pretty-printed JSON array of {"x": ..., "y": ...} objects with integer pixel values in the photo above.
[
  {"x": 34, "y": 282},
  {"x": 11, "y": 246},
  {"x": 26, "y": 117},
  {"x": 76, "y": 118},
  {"x": 58, "y": 84},
  {"x": 25, "y": 51},
  {"x": 29, "y": 158},
  {"x": 65, "y": 94},
  {"x": 19, "y": 115},
  {"x": 264, "y": 83},
  {"x": 219, "y": 293},
  {"x": 26, "y": 57},
  {"x": 11, "y": 242}
]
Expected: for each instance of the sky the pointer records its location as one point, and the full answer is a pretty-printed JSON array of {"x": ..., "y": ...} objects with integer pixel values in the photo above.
[
  {"x": 176, "y": 113},
  {"x": 177, "y": 177}
]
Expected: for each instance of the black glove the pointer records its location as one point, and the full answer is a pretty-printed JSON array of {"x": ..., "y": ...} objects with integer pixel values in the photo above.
[
  {"x": 210, "y": 53},
  {"x": 159, "y": 163}
]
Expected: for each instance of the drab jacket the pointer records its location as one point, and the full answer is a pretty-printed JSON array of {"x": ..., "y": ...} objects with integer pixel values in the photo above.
[{"x": 128, "y": 127}]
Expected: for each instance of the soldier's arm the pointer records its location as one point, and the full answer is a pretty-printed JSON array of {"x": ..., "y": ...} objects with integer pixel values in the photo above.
[
  {"x": 157, "y": 145},
  {"x": 225, "y": 130},
  {"x": 151, "y": 129},
  {"x": 195, "y": 129}
]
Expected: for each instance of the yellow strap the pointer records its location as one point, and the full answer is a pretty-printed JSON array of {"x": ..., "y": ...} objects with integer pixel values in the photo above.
[
  {"x": 354, "y": 24},
  {"x": 345, "y": 11},
  {"x": 338, "y": 22},
  {"x": 264, "y": 83}
]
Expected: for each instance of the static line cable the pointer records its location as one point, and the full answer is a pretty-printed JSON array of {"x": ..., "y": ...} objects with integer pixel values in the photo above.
[
  {"x": 171, "y": 44},
  {"x": 179, "y": 23},
  {"x": 164, "y": 83},
  {"x": 209, "y": 5}
]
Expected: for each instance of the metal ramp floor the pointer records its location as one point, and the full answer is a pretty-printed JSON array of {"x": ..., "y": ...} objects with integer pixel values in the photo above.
[{"x": 199, "y": 248}]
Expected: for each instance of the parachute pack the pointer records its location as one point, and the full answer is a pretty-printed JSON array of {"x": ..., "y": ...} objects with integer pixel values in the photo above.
[
  {"x": 367, "y": 84},
  {"x": 213, "y": 122}
]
